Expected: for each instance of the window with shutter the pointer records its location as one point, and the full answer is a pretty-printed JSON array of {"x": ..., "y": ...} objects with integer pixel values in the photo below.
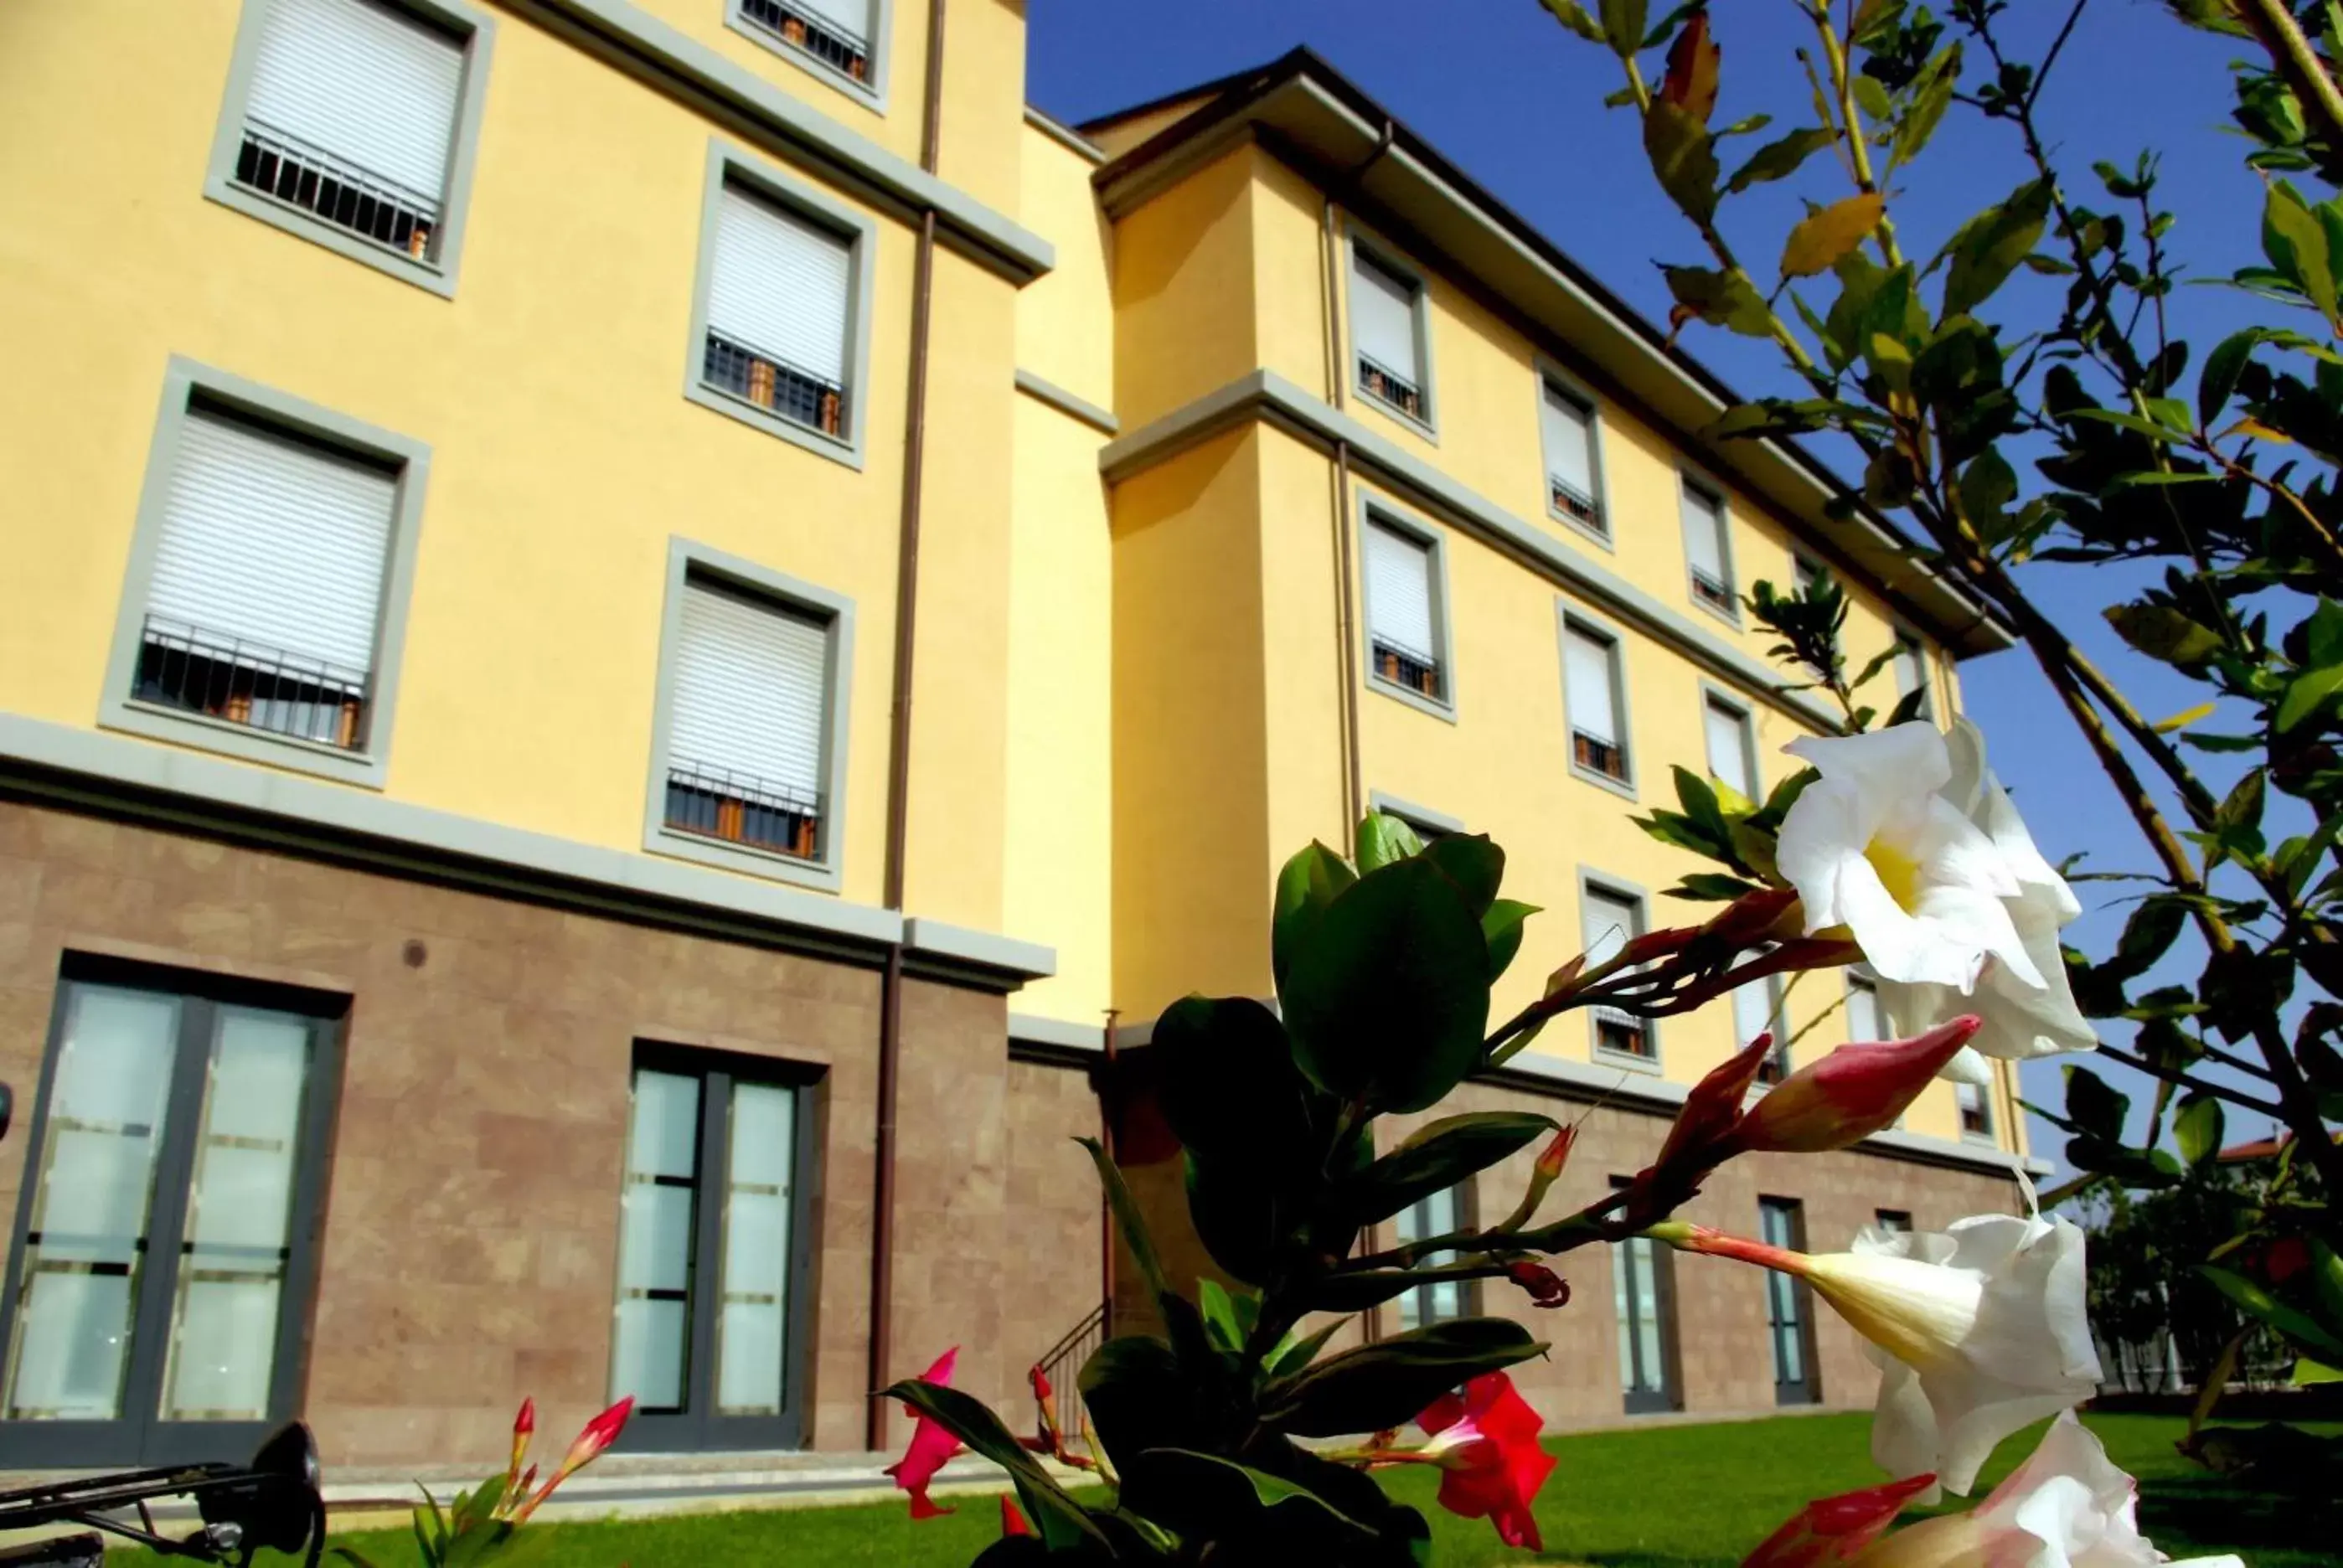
[
  {"x": 1756, "y": 1007},
  {"x": 1704, "y": 549},
  {"x": 1608, "y": 921},
  {"x": 1591, "y": 687},
  {"x": 351, "y": 117},
  {"x": 833, "y": 32},
  {"x": 780, "y": 298},
  {"x": 1383, "y": 335},
  {"x": 1404, "y": 628},
  {"x": 1443, "y": 1213},
  {"x": 747, "y": 699},
  {"x": 1729, "y": 750},
  {"x": 1865, "y": 1019},
  {"x": 265, "y": 596},
  {"x": 1567, "y": 425},
  {"x": 1976, "y": 1112}
]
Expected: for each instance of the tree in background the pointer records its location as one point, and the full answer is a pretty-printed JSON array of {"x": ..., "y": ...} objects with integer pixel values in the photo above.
[{"x": 2219, "y": 468}]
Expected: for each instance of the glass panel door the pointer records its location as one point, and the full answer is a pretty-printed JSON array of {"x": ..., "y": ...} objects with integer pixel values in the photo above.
[
  {"x": 166, "y": 1229},
  {"x": 710, "y": 1244},
  {"x": 1640, "y": 1297},
  {"x": 1781, "y": 1223}
]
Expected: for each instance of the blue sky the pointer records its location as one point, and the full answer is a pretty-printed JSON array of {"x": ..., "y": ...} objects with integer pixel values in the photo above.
[{"x": 1517, "y": 102}]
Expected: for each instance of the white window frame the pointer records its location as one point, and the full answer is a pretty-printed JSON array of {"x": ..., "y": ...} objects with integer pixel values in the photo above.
[
  {"x": 870, "y": 90},
  {"x": 1592, "y": 881},
  {"x": 686, "y": 561},
  {"x": 189, "y": 384},
  {"x": 727, "y": 162},
  {"x": 1689, "y": 485},
  {"x": 1989, "y": 1134},
  {"x": 1381, "y": 254},
  {"x": 436, "y": 273},
  {"x": 1714, "y": 696},
  {"x": 1566, "y": 619},
  {"x": 1550, "y": 375},
  {"x": 1368, "y": 512},
  {"x": 1910, "y": 642}
]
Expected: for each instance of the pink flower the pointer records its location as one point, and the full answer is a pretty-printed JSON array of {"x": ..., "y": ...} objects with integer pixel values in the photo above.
[
  {"x": 1851, "y": 1093},
  {"x": 931, "y": 1447},
  {"x": 1834, "y": 1529},
  {"x": 1012, "y": 1522},
  {"x": 1485, "y": 1443},
  {"x": 1546, "y": 1288}
]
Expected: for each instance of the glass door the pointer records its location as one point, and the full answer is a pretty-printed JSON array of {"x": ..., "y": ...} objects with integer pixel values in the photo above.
[
  {"x": 1788, "y": 1322},
  {"x": 163, "y": 1254},
  {"x": 712, "y": 1253}
]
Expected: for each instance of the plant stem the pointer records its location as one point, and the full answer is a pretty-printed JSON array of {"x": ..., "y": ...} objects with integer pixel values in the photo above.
[
  {"x": 2175, "y": 1075},
  {"x": 2297, "y": 64}
]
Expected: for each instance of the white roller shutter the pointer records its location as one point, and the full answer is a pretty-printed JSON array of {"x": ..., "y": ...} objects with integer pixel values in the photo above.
[
  {"x": 1399, "y": 592},
  {"x": 779, "y": 286},
  {"x": 1704, "y": 530},
  {"x": 1608, "y": 923},
  {"x": 1728, "y": 748},
  {"x": 1383, "y": 318},
  {"x": 374, "y": 86},
  {"x": 1865, "y": 1019},
  {"x": 747, "y": 692},
  {"x": 852, "y": 17},
  {"x": 272, "y": 542},
  {"x": 1569, "y": 441},
  {"x": 1753, "y": 1011},
  {"x": 1589, "y": 685}
]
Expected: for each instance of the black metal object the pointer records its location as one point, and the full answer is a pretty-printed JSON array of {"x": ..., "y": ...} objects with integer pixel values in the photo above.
[
  {"x": 815, "y": 34},
  {"x": 198, "y": 670},
  {"x": 272, "y": 1502},
  {"x": 795, "y": 395},
  {"x": 1403, "y": 666},
  {"x": 339, "y": 193},
  {"x": 1381, "y": 382},
  {"x": 1061, "y": 1363}
]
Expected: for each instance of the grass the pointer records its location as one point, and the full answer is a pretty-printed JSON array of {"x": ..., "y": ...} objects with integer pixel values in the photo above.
[{"x": 1655, "y": 1497}]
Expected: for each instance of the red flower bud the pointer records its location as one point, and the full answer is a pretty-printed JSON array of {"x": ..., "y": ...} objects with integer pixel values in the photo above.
[
  {"x": 1012, "y": 1522},
  {"x": 1835, "y": 1529},
  {"x": 2287, "y": 1258},
  {"x": 1713, "y": 1110},
  {"x": 526, "y": 1422},
  {"x": 1546, "y": 1288},
  {"x": 1750, "y": 918},
  {"x": 1041, "y": 1382},
  {"x": 598, "y": 1434},
  {"x": 1851, "y": 1093},
  {"x": 1556, "y": 1154}
]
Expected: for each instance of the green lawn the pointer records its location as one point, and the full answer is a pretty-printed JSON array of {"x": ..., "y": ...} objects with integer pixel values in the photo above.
[{"x": 1657, "y": 1497}]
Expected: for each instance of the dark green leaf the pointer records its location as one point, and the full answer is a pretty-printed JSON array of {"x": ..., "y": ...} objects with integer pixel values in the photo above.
[
  {"x": 1305, "y": 885},
  {"x": 1229, "y": 1085},
  {"x": 1727, "y": 299},
  {"x": 1623, "y": 24},
  {"x": 2218, "y": 382},
  {"x": 2162, "y": 632},
  {"x": 1684, "y": 158},
  {"x": 2306, "y": 694},
  {"x": 1437, "y": 1156},
  {"x": 2249, "y": 1298},
  {"x": 1139, "y": 1397},
  {"x": 1988, "y": 248},
  {"x": 1220, "y": 1315},
  {"x": 2094, "y": 1108},
  {"x": 1501, "y": 928},
  {"x": 1388, "y": 997},
  {"x": 1303, "y": 1350},
  {"x": 1988, "y": 487},
  {"x": 1779, "y": 159},
  {"x": 1475, "y": 865},
  {"x": 1127, "y": 1217},
  {"x": 1387, "y": 1383},
  {"x": 1204, "y": 1498},
  {"x": 2197, "y": 1128},
  {"x": 2152, "y": 929},
  {"x": 1572, "y": 16}
]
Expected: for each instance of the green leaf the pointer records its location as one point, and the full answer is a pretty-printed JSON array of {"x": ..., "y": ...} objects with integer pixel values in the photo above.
[
  {"x": 2151, "y": 929},
  {"x": 1726, "y": 299},
  {"x": 1436, "y": 1157},
  {"x": 2218, "y": 382},
  {"x": 1388, "y": 997},
  {"x": 1387, "y": 1383},
  {"x": 2306, "y": 694},
  {"x": 1061, "y": 1521},
  {"x": 1501, "y": 928},
  {"x": 1295, "y": 1354},
  {"x": 1305, "y": 885},
  {"x": 1220, "y": 1315},
  {"x": 1684, "y": 158},
  {"x": 1623, "y": 24},
  {"x": 1229, "y": 1085},
  {"x": 1931, "y": 96},
  {"x": 2197, "y": 1128},
  {"x": 1205, "y": 1498},
  {"x": 2162, "y": 632},
  {"x": 1475, "y": 865},
  {"x": 2241, "y": 809},
  {"x": 1871, "y": 94},
  {"x": 2307, "y": 1372},
  {"x": 1384, "y": 841},
  {"x": 1988, "y": 248},
  {"x": 1572, "y": 16},
  {"x": 1247, "y": 1223},
  {"x": 1779, "y": 159},
  {"x": 2092, "y": 1108},
  {"x": 1823, "y": 238},
  {"x": 2249, "y": 1298},
  {"x": 1711, "y": 887},
  {"x": 2297, "y": 245},
  {"x": 1139, "y": 1397},
  {"x": 1127, "y": 1217}
]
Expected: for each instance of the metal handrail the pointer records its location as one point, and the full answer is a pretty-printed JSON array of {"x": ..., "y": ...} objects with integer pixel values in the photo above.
[
  {"x": 851, "y": 50},
  {"x": 770, "y": 382},
  {"x": 1396, "y": 389},
  {"x": 1062, "y": 1364},
  {"x": 1709, "y": 589},
  {"x": 734, "y": 806},
  {"x": 1577, "y": 503},
  {"x": 308, "y": 178},
  {"x": 224, "y": 676}
]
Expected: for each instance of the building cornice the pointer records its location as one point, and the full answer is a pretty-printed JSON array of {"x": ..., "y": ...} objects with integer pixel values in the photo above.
[
  {"x": 1071, "y": 403},
  {"x": 116, "y": 776},
  {"x": 1266, "y": 395},
  {"x": 1065, "y": 134},
  {"x": 1325, "y": 126},
  {"x": 681, "y": 66}
]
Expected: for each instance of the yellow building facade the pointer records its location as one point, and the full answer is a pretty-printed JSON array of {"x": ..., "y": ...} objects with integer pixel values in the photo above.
[{"x": 636, "y": 629}]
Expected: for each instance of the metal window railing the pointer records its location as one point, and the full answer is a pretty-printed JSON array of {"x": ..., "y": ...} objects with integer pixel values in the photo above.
[
  {"x": 184, "y": 666},
  {"x": 1380, "y": 380},
  {"x": 818, "y": 36},
  {"x": 339, "y": 192},
  {"x": 797, "y": 395},
  {"x": 1712, "y": 590},
  {"x": 1576, "y": 504},
  {"x": 742, "y": 808},
  {"x": 1623, "y": 1032},
  {"x": 1403, "y": 666},
  {"x": 1062, "y": 1362},
  {"x": 1775, "y": 1067},
  {"x": 1598, "y": 756}
]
